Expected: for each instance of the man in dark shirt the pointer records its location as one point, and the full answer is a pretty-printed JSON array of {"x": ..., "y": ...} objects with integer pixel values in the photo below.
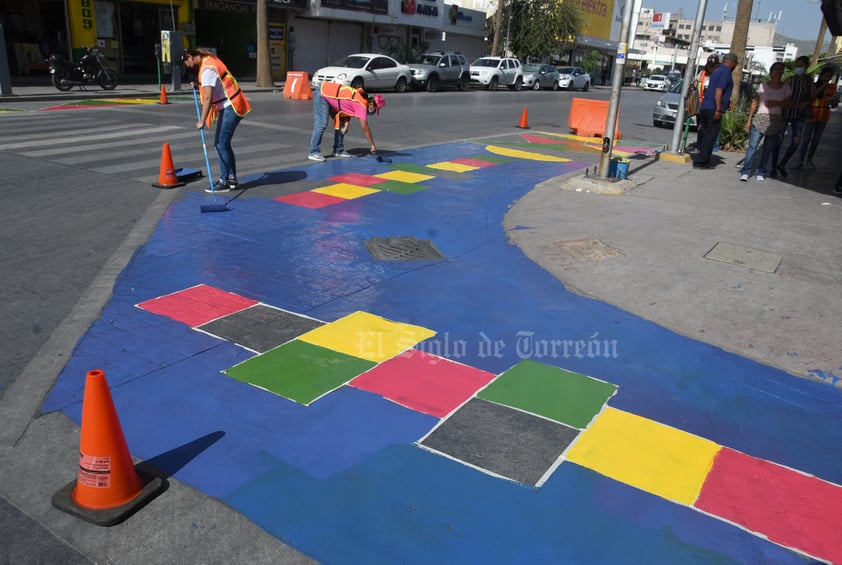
[{"x": 714, "y": 104}]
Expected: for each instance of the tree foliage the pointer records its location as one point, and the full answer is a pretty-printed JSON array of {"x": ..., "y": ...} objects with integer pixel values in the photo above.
[{"x": 539, "y": 28}]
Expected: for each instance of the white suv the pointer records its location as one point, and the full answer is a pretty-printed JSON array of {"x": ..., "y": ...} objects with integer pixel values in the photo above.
[{"x": 491, "y": 72}]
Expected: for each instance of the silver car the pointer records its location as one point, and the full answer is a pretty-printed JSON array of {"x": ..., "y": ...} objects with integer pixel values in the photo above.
[
  {"x": 537, "y": 76},
  {"x": 572, "y": 78},
  {"x": 666, "y": 107}
]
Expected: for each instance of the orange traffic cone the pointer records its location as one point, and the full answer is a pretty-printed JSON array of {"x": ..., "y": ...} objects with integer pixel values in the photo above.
[
  {"x": 167, "y": 177},
  {"x": 524, "y": 123},
  {"x": 108, "y": 488},
  {"x": 164, "y": 99}
]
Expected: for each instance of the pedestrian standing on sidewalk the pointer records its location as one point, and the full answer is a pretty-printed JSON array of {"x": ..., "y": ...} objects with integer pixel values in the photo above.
[
  {"x": 824, "y": 98},
  {"x": 701, "y": 87},
  {"x": 222, "y": 102},
  {"x": 714, "y": 104},
  {"x": 341, "y": 103},
  {"x": 795, "y": 113},
  {"x": 766, "y": 121}
]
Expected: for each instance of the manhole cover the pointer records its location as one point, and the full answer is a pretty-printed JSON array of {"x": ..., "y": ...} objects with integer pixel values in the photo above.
[
  {"x": 402, "y": 249},
  {"x": 744, "y": 257},
  {"x": 587, "y": 249}
]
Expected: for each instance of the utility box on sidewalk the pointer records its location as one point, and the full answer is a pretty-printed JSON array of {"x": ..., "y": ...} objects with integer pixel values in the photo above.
[{"x": 618, "y": 169}]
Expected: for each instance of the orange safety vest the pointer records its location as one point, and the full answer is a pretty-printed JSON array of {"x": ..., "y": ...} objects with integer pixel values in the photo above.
[
  {"x": 701, "y": 85},
  {"x": 340, "y": 92},
  {"x": 821, "y": 105},
  {"x": 237, "y": 98}
]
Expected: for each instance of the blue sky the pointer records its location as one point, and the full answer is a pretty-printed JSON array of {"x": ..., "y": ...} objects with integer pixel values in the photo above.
[{"x": 800, "y": 19}]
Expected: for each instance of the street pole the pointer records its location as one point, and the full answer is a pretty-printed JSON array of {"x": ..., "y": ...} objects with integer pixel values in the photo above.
[
  {"x": 614, "y": 104},
  {"x": 689, "y": 76}
]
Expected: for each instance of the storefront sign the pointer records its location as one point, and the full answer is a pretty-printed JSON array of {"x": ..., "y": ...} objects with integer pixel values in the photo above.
[
  {"x": 372, "y": 6},
  {"x": 419, "y": 7},
  {"x": 248, "y": 7},
  {"x": 82, "y": 20}
]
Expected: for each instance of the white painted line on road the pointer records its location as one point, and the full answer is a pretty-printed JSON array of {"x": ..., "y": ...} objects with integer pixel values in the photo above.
[
  {"x": 97, "y": 146},
  {"x": 83, "y": 138}
]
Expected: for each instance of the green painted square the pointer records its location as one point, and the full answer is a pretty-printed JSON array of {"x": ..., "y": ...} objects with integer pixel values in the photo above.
[
  {"x": 299, "y": 371},
  {"x": 563, "y": 396},
  {"x": 399, "y": 186}
]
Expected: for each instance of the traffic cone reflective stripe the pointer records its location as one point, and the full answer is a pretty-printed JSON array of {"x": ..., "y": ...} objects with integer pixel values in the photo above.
[
  {"x": 524, "y": 122},
  {"x": 108, "y": 488},
  {"x": 164, "y": 99},
  {"x": 167, "y": 177},
  {"x": 106, "y": 476}
]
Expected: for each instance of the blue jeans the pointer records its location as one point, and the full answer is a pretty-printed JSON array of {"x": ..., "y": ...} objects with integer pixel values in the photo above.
[
  {"x": 321, "y": 115},
  {"x": 227, "y": 123},
  {"x": 754, "y": 139},
  {"x": 812, "y": 135}
]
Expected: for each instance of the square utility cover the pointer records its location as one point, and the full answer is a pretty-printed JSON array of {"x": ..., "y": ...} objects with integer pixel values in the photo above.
[{"x": 744, "y": 257}]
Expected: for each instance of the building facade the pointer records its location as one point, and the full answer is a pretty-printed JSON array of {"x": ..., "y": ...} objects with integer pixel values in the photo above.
[
  {"x": 303, "y": 34},
  {"x": 662, "y": 42}
]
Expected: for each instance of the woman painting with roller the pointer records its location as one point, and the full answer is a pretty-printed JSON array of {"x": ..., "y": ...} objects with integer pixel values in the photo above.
[{"x": 222, "y": 102}]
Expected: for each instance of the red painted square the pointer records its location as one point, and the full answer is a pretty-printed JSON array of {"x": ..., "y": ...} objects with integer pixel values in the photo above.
[
  {"x": 423, "y": 382},
  {"x": 310, "y": 199},
  {"x": 198, "y": 305},
  {"x": 473, "y": 162},
  {"x": 357, "y": 179},
  {"x": 786, "y": 506}
]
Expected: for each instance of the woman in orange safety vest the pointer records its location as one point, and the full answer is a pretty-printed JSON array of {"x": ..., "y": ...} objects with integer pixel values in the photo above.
[
  {"x": 341, "y": 103},
  {"x": 222, "y": 101}
]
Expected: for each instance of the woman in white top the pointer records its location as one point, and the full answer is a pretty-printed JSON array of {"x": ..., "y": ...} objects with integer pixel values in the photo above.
[{"x": 765, "y": 121}]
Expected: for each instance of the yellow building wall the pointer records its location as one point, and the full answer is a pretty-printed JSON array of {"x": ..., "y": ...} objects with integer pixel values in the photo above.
[{"x": 597, "y": 16}]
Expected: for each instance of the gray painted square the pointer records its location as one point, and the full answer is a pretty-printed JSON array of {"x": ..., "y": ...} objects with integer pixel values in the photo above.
[
  {"x": 744, "y": 257},
  {"x": 261, "y": 327},
  {"x": 508, "y": 442}
]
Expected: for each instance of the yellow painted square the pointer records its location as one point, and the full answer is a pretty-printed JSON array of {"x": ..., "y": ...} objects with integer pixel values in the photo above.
[
  {"x": 664, "y": 461},
  {"x": 455, "y": 167},
  {"x": 405, "y": 176},
  {"x": 345, "y": 190},
  {"x": 367, "y": 336}
]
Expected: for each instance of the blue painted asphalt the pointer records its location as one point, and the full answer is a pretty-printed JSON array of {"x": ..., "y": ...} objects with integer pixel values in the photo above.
[{"x": 340, "y": 480}]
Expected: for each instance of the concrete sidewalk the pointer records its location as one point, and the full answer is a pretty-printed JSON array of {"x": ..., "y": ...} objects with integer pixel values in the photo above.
[{"x": 771, "y": 294}]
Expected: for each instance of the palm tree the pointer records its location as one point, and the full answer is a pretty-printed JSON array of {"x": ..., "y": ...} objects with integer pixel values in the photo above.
[
  {"x": 264, "y": 62},
  {"x": 738, "y": 45}
]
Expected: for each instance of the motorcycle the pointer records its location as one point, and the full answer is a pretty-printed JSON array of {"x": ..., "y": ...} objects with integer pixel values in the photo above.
[{"x": 91, "y": 69}]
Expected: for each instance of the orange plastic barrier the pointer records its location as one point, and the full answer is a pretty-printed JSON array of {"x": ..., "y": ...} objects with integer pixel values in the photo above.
[
  {"x": 588, "y": 118},
  {"x": 164, "y": 99},
  {"x": 297, "y": 86},
  {"x": 108, "y": 488}
]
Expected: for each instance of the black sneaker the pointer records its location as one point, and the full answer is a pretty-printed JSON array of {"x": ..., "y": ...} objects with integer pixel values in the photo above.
[
  {"x": 221, "y": 186},
  {"x": 233, "y": 184},
  {"x": 782, "y": 170}
]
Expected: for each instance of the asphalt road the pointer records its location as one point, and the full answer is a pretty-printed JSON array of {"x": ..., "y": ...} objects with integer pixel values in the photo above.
[{"x": 73, "y": 192}]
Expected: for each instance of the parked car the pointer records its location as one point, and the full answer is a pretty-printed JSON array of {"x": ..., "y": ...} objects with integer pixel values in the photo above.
[
  {"x": 656, "y": 82},
  {"x": 366, "y": 70},
  {"x": 666, "y": 107},
  {"x": 572, "y": 78},
  {"x": 493, "y": 71},
  {"x": 537, "y": 76},
  {"x": 438, "y": 68}
]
